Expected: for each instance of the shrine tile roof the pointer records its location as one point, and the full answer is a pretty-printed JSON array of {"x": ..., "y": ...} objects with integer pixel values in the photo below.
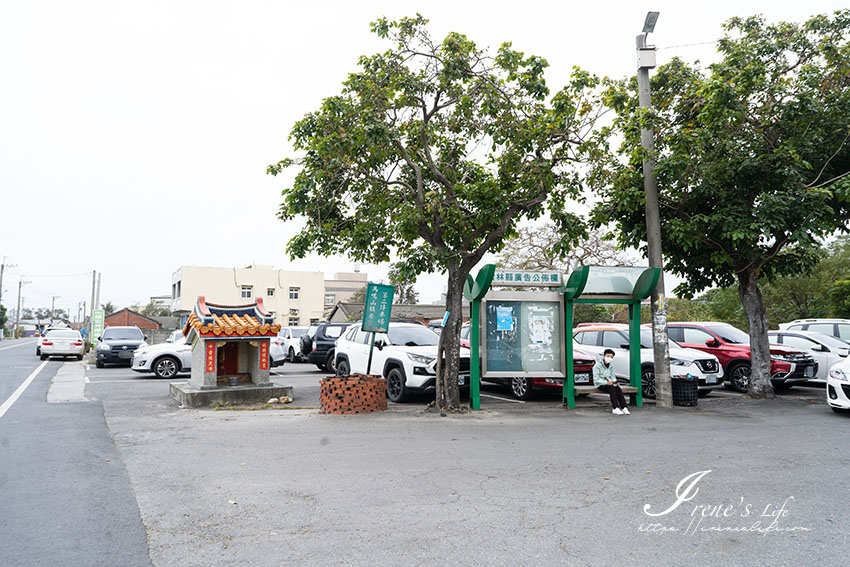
[{"x": 230, "y": 326}]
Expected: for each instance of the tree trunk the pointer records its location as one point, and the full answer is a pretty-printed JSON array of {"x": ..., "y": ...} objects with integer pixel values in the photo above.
[
  {"x": 448, "y": 353},
  {"x": 748, "y": 290}
]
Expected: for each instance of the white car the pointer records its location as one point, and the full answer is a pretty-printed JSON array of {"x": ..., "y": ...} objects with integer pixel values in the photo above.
[
  {"x": 290, "y": 342},
  {"x": 406, "y": 356},
  {"x": 838, "y": 387},
  {"x": 61, "y": 342},
  {"x": 838, "y": 328},
  {"x": 826, "y": 350},
  {"x": 594, "y": 339},
  {"x": 165, "y": 360}
]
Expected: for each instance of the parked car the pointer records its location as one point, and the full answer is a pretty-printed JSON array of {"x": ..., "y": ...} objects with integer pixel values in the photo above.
[
  {"x": 525, "y": 388},
  {"x": 838, "y": 386},
  {"x": 61, "y": 342},
  {"x": 318, "y": 344},
  {"x": 406, "y": 356},
  {"x": 825, "y": 349},
  {"x": 277, "y": 354},
  {"x": 117, "y": 345},
  {"x": 683, "y": 361},
  {"x": 731, "y": 346},
  {"x": 291, "y": 342},
  {"x": 47, "y": 330},
  {"x": 838, "y": 328},
  {"x": 165, "y": 360}
]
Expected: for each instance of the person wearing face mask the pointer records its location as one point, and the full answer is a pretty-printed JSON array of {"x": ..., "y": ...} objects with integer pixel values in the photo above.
[{"x": 604, "y": 379}]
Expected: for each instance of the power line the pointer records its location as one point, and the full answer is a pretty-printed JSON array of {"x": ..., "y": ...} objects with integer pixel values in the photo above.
[{"x": 688, "y": 45}]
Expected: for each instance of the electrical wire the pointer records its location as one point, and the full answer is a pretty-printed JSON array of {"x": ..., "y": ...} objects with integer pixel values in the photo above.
[{"x": 686, "y": 45}]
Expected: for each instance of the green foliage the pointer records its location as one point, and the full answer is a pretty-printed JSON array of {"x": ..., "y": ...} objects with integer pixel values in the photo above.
[
  {"x": 839, "y": 297},
  {"x": 3, "y": 317},
  {"x": 434, "y": 151},
  {"x": 359, "y": 296},
  {"x": 108, "y": 308},
  {"x": 752, "y": 155},
  {"x": 404, "y": 290}
]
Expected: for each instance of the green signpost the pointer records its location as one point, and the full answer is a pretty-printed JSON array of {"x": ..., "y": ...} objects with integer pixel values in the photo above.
[
  {"x": 376, "y": 313},
  {"x": 96, "y": 325},
  {"x": 474, "y": 291}
]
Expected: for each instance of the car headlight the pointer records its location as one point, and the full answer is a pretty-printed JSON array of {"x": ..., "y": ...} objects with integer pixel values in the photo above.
[
  {"x": 143, "y": 345},
  {"x": 103, "y": 346},
  {"x": 680, "y": 362},
  {"x": 780, "y": 357},
  {"x": 421, "y": 359},
  {"x": 838, "y": 374}
]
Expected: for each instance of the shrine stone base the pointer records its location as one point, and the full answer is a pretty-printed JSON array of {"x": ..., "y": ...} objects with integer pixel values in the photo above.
[{"x": 190, "y": 396}]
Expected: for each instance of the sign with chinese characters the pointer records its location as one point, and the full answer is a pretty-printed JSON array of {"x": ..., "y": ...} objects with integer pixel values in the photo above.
[
  {"x": 520, "y": 278},
  {"x": 379, "y": 304},
  {"x": 96, "y": 324},
  {"x": 264, "y": 355},
  {"x": 210, "y": 356}
]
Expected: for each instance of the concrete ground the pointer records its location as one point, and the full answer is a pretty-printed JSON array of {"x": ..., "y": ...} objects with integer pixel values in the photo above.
[{"x": 515, "y": 484}]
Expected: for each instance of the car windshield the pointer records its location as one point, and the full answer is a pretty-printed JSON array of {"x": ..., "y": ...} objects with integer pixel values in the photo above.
[
  {"x": 729, "y": 334},
  {"x": 646, "y": 340},
  {"x": 122, "y": 335},
  {"x": 63, "y": 334},
  {"x": 413, "y": 336},
  {"x": 829, "y": 341}
]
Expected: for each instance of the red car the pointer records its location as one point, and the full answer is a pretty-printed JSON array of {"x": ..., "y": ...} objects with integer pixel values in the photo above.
[
  {"x": 732, "y": 347},
  {"x": 523, "y": 388}
]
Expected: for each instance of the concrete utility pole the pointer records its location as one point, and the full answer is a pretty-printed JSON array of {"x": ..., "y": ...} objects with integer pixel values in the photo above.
[
  {"x": 3, "y": 266},
  {"x": 93, "y": 305},
  {"x": 646, "y": 61},
  {"x": 53, "y": 307},
  {"x": 21, "y": 283}
]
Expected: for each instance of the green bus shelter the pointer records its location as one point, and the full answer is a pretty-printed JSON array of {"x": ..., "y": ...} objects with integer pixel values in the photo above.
[{"x": 608, "y": 284}]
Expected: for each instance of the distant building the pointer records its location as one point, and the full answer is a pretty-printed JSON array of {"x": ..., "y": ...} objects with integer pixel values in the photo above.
[
  {"x": 294, "y": 298},
  {"x": 422, "y": 313},
  {"x": 342, "y": 287},
  {"x": 161, "y": 301},
  {"x": 129, "y": 318}
]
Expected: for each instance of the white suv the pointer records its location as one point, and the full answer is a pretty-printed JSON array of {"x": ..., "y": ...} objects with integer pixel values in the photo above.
[
  {"x": 406, "y": 356},
  {"x": 838, "y": 328}
]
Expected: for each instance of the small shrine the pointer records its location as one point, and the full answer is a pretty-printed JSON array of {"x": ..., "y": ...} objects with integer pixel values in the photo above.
[{"x": 230, "y": 355}]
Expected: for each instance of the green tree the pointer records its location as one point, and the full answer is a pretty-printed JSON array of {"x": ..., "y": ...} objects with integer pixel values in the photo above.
[
  {"x": 154, "y": 310},
  {"x": 839, "y": 297},
  {"x": 3, "y": 318},
  {"x": 359, "y": 296},
  {"x": 752, "y": 161},
  {"x": 404, "y": 292},
  {"x": 108, "y": 308},
  {"x": 435, "y": 150}
]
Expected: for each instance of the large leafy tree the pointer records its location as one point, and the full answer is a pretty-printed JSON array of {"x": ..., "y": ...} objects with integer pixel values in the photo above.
[
  {"x": 753, "y": 161},
  {"x": 433, "y": 151}
]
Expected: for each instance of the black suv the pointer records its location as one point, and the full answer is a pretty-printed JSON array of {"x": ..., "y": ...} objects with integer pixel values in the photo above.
[
  {"x": 318, "y": 344},
  {"x": 117, "y": 344}
]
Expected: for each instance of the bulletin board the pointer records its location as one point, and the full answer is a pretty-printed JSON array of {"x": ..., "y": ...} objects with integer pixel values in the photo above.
[{"x": 523, "y": 334}]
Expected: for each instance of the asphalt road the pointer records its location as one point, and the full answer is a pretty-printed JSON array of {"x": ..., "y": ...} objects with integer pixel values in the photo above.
[{"x": 515, "y": 484}]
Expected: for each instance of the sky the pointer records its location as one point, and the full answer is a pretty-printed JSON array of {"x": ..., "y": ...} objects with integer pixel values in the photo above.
[{"x": 134, "y": 136}]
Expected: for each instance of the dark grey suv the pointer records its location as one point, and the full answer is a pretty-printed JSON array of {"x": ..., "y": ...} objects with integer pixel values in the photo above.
[
  {"x": 117, "y": 344},
  {"x": 318, "y": 345}
]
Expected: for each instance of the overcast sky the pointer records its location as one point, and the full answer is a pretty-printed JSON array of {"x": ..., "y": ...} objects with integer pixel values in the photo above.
[{"x": 134, "y": 136}]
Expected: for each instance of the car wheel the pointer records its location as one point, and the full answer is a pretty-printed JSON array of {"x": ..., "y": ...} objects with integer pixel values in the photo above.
[
  {"x": 322, "y": 367},
  {"x": 739, "y": 377},
  {"x": 703, "y": 393},
  {"x": 839, "y": 410},
  {"x": 521, "y": 388},
  {"x": 38, "y": 351},
  {"x": 166, "y": 367},
  {"x": 291, "y": 354},
  {"x": 331, "y": 363},
  {"x": 342, "y": 368},
  {"x": 79, "y": 357},
  {"x": 98, "y": 364},
  {"x": 396, "y": 390},
  {"x": 43, "y": 357},
  {"x": 647, "y": 382}
]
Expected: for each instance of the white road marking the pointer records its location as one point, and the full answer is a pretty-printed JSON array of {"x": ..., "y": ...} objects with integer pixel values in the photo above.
[
  {"x": 17, "y": 393},
  {"x": 17, "y": 345},
  {"x": 501, "y": 398},
  {"x": 87, "y": 380},
  {"x": 132, "y": 381}
]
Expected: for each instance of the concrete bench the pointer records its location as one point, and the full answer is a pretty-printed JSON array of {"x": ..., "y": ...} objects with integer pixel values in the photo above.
[{"x": 631, "y": 391}]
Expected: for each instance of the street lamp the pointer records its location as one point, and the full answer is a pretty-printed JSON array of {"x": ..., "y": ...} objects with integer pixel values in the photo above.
[{"x": 661, "y": 352}]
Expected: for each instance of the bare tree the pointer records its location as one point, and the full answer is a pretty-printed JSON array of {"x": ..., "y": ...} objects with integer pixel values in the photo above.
[{"x": 540, "y": 248}]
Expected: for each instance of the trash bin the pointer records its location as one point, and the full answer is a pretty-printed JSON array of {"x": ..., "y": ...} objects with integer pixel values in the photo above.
[{"x": 685, "y": 390}]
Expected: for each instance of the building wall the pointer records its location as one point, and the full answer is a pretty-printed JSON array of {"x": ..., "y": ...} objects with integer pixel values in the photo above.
[
  {"x": 126, "y": 318},
  {"x": 342, "y": 287},
  {"x": 224, "y": 285}
]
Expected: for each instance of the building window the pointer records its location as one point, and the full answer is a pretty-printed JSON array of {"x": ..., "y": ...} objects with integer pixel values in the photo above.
[
  {"x": 293, "y": 321},
  {"x": 247, "y": 291},
  {"x": 293, "y": 311},
  {"x": 293, "y": 293},
  {"x": 314, "y": 321},
  {"x": 270, "y": 292},
  {"x": 330, "y": 299}
]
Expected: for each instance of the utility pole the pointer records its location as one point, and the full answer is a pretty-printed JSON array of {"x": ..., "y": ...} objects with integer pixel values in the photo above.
[
  {"x": 3, "y": 266},
  {"x": 53, "y": 307},
  {"x": 97, "y": 297},
  {"x": 660, "y": 341},
  {"x": 21, "y": 283},
  {"x": 93, "y": 305}
]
